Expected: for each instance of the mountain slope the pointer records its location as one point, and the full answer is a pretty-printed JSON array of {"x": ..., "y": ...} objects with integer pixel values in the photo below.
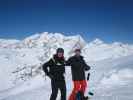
[
  {"x": 107, "y": 83},
  {"x": 21, "y": 61}
]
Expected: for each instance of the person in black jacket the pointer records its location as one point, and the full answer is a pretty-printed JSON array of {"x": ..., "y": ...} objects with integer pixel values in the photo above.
[
  {"x": 78, "y": 68},
  {"x": 55, "y": 69}
]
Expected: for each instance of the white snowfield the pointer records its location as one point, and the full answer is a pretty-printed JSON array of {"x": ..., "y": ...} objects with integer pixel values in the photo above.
[{"x": 21, "y": 76}]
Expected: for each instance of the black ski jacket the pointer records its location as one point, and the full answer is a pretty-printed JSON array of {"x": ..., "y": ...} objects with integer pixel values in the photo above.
[
  {"x": 78, "y": 67},
  {"x": 55, "y": 68}
]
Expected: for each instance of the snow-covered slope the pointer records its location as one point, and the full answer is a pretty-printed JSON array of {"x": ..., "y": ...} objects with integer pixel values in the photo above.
[
  {"x": 108, "y": 82},
  {"x": 21, "y": 62},
  {"x": 113, "y": 79}
]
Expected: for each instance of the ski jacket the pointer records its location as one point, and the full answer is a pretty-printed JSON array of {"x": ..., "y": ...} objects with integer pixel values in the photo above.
[
  {"x": 55, "y": 68},
  {"x": 78, "y": 67}
]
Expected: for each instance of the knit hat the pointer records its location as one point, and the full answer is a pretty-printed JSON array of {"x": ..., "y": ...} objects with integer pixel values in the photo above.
[{"x": 60, "y": 50}]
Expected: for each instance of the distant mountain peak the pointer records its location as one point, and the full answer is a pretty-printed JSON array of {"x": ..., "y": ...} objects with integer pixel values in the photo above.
[{"x": 97, "y": 41}]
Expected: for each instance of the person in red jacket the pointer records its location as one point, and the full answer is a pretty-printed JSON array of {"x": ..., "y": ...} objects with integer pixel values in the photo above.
[{"x": 78, "y": 68}]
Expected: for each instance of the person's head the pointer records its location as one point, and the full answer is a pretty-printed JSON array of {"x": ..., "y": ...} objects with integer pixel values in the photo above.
[
  {"x": 60, "y": 52},
  {"x": 77, "y": 52}
]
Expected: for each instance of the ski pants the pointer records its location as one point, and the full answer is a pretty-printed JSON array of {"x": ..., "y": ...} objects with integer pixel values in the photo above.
[
  {"x": 78, "y": 86},
  {"x": 58, "y": 85}
]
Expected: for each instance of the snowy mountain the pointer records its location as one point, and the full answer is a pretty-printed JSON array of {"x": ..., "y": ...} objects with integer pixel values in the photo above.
[
  {"x": 21, "y": 62},
  {"x": 98, "y": 50},
  {"x": 50, "y": 41}
]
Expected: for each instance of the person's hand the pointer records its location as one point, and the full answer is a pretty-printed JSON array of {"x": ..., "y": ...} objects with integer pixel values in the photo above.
[{"x": 87, "y": 68}]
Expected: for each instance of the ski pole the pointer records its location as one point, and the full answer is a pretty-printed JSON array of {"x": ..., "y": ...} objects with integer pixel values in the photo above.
[{"x": 88, "y": 78}]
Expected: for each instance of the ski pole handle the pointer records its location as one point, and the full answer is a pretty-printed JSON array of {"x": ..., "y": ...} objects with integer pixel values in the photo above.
[{"x": 88, "y": 76}]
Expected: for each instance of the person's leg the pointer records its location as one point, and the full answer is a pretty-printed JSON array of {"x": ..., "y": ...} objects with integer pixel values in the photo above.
[
  {"x": 62, "y": 87},
  {"x": 54, "y": 90},
  {"x": 83, "y": 86},
  {"x": 75, "y": 90}
]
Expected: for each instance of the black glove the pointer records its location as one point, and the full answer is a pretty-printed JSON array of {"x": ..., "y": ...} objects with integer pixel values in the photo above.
[
  {"x": 88, "y": 76},
  {"x": 87, "y": 68}
]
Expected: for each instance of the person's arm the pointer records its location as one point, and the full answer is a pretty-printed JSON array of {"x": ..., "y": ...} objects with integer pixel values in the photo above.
[
  {"x": 87, "y": 67},
  {"x": 68, "y": 62},
  {"x": 45, "y": 68}
]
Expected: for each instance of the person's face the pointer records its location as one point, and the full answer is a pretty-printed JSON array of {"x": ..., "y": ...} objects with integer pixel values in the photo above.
[
  {"x": 77, "y": 53},
  {"x": 60, "y": 55}
]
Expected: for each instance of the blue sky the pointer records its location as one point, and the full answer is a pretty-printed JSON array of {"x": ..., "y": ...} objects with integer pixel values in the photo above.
[{"x": 110, "y": 20}]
